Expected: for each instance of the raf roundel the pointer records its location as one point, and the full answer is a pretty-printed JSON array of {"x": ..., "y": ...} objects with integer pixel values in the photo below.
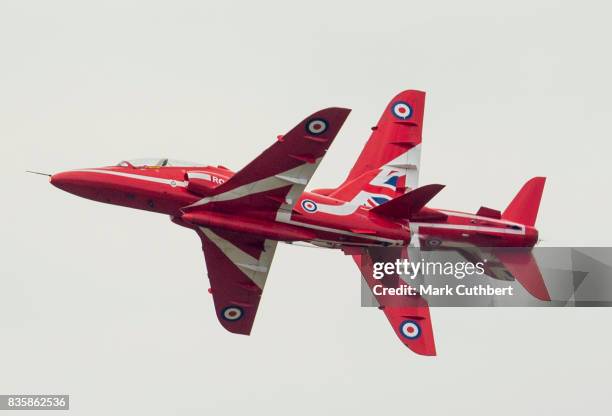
[
  {"x": 402, "y": 110},
  {"x": 316, "y": 126},
  {"x": 410, "y": 329},
  {"x": 309, "y": 206},
  {"x": 232, "y": 313},
  {"x": 434, "y": 242}
]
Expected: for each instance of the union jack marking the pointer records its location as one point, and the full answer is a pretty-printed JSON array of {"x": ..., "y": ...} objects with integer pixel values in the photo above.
[{"x": 388, "y": 184}]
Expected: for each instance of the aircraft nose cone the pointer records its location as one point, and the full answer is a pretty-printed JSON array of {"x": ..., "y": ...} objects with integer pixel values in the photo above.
[
  {"x": 71, "y": 181},
  {"x": 61, "y": 180},
  {"x": 77, "y": 182}
]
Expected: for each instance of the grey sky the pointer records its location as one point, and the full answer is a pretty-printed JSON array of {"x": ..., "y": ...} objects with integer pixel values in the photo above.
[{"x": 110, "y": 305}]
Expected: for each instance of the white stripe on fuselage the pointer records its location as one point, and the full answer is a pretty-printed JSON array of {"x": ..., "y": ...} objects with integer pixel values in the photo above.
[
  {"x": 351, "y": 207},
  {"x": 469, "y": 228},
  {"x": 461, "y": 227},
  {"x": 347, "y": 208},
  {"x": 479, "y": 217},
  {"x": 171, "y": 182}
]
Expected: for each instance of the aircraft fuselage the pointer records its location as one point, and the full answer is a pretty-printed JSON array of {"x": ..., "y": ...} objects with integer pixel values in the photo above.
[{"x": 315, "y": 218}]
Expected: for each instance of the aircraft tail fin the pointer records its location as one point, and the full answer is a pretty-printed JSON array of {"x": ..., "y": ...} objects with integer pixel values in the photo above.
[{"x": 524, "y": 207}]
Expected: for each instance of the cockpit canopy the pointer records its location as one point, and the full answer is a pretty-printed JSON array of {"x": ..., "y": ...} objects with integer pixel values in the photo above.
[{"x": 156, "y": 162}]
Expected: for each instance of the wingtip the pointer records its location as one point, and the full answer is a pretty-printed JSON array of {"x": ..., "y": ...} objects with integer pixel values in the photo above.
[
  {"x": 408, "y": 93},
  {"x": 337, "y": 113},
  {"x": 342, "y": 110},
  {"x": 426, "y": 349}
]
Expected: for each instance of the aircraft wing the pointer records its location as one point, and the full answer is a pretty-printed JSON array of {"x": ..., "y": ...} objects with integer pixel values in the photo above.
[
  {"x": 395, "y": 142},
  {"x": 237, "y": 266},
  {"x": 408, "y": 315},
  {"x": 272, "y": 183},
  {"x": 266, "y": 188},
  {"x": 390, "y": 161}
]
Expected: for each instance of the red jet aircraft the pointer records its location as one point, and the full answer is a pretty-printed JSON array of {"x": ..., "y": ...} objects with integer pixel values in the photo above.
[{"x": 241, "y": 216}]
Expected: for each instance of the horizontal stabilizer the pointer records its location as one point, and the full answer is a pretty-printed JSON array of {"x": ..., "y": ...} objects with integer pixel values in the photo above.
[
  {"x": 504, "y": 263},
  {"x": 523, "y": 267},
  {"x": 408, "y": 205}
]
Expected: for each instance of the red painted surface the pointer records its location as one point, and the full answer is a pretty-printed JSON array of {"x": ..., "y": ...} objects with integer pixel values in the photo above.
[{"x": 239, "y": 216}]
